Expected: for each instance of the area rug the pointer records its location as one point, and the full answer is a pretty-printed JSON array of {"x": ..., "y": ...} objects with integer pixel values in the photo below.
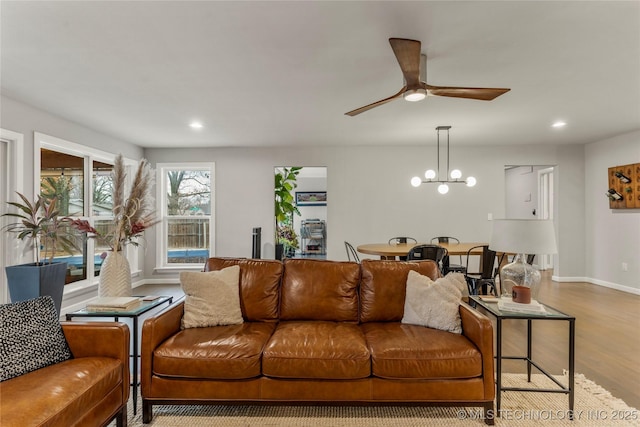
[{"x": 594, "y": 406}]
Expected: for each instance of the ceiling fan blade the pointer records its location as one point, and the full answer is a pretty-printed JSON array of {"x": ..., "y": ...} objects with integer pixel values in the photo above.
[
  {"x": 408, "y": 55},
  {"x": 376, "y": 104},
  {"x": 484, "y": 94}
]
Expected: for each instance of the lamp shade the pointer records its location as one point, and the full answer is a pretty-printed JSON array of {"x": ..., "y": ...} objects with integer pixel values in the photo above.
[{"x": 523, "y": 236}]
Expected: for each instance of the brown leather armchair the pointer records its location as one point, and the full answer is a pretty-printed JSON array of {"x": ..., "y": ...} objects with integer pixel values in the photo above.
[{"x": 91, "y": 389}]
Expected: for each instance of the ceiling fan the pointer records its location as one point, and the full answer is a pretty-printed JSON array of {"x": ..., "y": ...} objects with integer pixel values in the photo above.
[{"x": 413, "y": 66}]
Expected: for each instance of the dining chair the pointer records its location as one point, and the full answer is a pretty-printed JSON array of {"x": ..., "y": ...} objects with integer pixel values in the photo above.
[
  {"x": 484, "y": 279},
  {"x": 446, "y": 261},
  {"x": 428, "y": 251},
  {"x": 402, "y": 239},
  {"x": 351, "y": 252}
]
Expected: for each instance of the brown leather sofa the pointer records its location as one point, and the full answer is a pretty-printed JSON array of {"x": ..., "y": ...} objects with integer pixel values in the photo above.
[
  {"x": 318, "y": 331},
  {"x": 91, "y": 389}
]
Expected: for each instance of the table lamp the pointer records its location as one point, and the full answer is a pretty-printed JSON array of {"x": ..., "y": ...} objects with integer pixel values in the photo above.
[{"x": 522, "y": 237}]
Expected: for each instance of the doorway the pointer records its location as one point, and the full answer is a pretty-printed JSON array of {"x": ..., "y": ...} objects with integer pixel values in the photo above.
[
  {"x": 301, "y": 215},
  {"x": 529, "y": 195},
  {"x": 545, "y": 207}
]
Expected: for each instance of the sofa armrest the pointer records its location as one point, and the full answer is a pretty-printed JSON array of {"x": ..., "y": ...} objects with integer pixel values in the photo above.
[
  {"x": 478, "y": 329},
  {"x": 155, "y": 330},
  {"x": 101, "y": 339}
]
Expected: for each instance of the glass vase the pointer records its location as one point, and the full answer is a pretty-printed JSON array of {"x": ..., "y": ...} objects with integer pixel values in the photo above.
[{"x": 519, "y": 273}]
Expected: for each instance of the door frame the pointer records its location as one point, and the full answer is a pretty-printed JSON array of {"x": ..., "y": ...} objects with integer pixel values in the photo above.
[
  {"x": 545, "y": 207},
  {"x": 12, "y": 163}
]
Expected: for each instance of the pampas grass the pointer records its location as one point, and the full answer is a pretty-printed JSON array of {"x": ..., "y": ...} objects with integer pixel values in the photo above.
[{"x": 132, "y": 215}]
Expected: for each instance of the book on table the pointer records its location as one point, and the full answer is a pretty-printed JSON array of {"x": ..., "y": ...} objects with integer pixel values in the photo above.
[
  {"x": 113, "y": 304},
  {"x": 507, "y": 304}
]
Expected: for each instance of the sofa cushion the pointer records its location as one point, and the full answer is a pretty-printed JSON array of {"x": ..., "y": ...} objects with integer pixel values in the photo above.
[
  {"x": 259, "y": 286},
  {"x": 58, "y": 394},
  {"x": 402, "y": 351},
  {"x": 212, "y": 298},
  {"x": 320, "y": 290},
  {"x": 31, "y": 337},
  {"x": 434, "y": 304},
  {"x": 382, "y": 291},
  {"x": 316, "y": 349},
  {"x": 219, "y": 352}
]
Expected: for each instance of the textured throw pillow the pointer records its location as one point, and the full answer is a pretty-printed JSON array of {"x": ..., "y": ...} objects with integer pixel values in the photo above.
[
  {"x": 30, "y": 337},
  {"x": 211, "y": 298},
  {"x": 434, "y": 304}
]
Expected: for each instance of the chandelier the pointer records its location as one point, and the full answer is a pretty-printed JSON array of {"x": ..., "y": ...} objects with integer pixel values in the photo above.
[{"x": 433, "y": 177}]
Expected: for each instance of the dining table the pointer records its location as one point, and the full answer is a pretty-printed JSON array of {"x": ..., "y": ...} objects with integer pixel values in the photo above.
[{"x": 394, "y": 250}]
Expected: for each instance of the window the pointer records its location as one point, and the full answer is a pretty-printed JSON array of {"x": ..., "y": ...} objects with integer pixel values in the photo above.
[
  {"x": 80, "y": 179},
  {"x": 185, "y": 198}
]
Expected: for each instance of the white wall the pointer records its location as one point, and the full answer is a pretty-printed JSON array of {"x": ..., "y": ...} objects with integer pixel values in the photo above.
[
  {"x": 25, "y": 119},
  {"x": 521, "y": 192},
  {"x": 372, "y": 200},
  {"x": 612, "y": 235}
]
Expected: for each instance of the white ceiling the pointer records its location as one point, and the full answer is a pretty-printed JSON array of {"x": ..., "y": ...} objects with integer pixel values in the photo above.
[{"x": 284, "y": 73}]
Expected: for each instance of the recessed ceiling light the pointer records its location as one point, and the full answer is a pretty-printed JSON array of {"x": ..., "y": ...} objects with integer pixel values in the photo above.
[
  {"x": 195, "y": 125},
  {"x": 559, "y": 124}
]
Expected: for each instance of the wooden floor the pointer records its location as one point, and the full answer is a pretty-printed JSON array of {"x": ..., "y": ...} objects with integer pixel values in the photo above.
[{"x": 607, "y": 335}]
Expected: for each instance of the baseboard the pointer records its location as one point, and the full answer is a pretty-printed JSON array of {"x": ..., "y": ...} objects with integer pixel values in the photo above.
[{"x": 604, "y": 283}]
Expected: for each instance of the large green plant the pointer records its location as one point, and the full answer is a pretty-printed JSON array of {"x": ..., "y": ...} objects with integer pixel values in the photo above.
[
  {"x": 285, "y": 207},
  {"x": 41, "y": 224}
]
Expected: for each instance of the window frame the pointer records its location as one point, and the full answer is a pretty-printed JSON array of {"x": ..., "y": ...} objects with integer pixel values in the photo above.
[
  {"x": 89, "y": 155},
  {"x": 161, "y": 209}
]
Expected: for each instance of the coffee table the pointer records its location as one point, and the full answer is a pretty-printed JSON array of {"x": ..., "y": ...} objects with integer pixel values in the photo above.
[
  {"x": 491, "y": 307},
  {"x": 133, "y": 314}
]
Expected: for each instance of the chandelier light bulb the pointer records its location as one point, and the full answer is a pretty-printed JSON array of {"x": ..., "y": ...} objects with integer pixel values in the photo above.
[
  {"x": 452, "y": 176},
  {"x": 443, "y": 188},
  {"x": 430, "y": 174}
]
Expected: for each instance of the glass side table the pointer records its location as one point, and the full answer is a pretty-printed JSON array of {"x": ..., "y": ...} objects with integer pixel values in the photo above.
[
  {"x": 551, "y": 314},
  {"x": 134, "y": 314}
]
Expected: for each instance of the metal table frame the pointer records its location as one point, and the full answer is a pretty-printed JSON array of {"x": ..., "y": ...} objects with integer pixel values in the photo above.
[
  {"x": 551, "y": 314},
  {"x": 144, "y": 307}
]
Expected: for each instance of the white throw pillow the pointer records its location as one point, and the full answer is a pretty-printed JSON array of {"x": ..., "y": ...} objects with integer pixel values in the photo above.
[
  {"x": 212, "y": 298},
  {"x": 434, "y": 304}
]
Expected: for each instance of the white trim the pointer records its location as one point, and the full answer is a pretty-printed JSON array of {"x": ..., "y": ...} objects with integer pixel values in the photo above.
[
  {"x": 161, "y": 202},
  {"x": 62, "y": 145},
  {"x": 598, "y": 282},
  {"x": 15, "y": 154},
  {"x": 13, "y": 249},
  {"x": 177, "y": 268},
  {"x": 546, "y": 200}
]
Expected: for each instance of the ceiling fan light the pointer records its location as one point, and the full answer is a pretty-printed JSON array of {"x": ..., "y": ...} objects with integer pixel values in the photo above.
[
  {"x": 416, "y": 181},
  {"x": 430, "y": 174},
  {"x": 414, "y": 95},
  {"x": 456, "y": 174},
  {"x": 471, "y": 181},
  {"x": 443, "y": 188}
]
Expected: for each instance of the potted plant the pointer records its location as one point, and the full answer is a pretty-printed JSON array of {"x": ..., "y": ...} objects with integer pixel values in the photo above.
[
  {"x": 40, "y": 223},
  {"x": 285, "y": 208}
]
